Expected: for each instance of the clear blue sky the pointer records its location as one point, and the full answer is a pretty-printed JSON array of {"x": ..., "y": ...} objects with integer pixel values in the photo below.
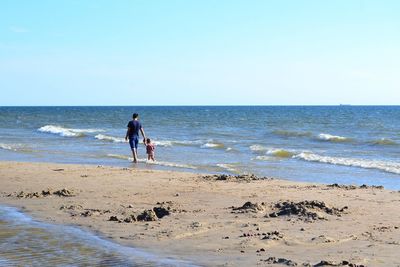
[{"x": 82, "y": 52}]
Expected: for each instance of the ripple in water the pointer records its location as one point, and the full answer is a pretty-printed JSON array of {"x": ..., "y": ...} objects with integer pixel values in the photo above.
[{"x": 24, "y": 242}]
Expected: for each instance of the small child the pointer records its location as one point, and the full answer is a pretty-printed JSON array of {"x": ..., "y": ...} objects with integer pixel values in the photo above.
[{"x": 150, "y": 147}]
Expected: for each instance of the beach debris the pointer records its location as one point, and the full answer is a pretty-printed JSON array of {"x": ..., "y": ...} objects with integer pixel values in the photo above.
[
  {"x": 114, "y": 219},
  {"x": 234, "y": 178},
  {"x": 195, "y": 225},
  {"x": 93, "y": 212},
  {"x": 44, "y": 193},
  {"x": 161, "y": 211},
  {"x": 283, "y": 261},
  {"x": 170, "y": 206},
  {"x": 58, "y": 170},
  {"x": 249, "y": 207},
  {"x": 274, "y": 260},
  {"x": 147, "y": 215},
  {"x": 352, "y": 187},
  {"x": 274, "y": 235},
  {"x": 131, "y": 218},
  {"x": 71, "y": 207},
  {"x": 334, "y": 263},
  {"x": 64, "y": 193},
  {"x": 323, "y": 239},
  {"x": 305, "y": 210}
]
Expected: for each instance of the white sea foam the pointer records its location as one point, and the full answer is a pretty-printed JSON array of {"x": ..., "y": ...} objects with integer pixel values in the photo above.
[
  {"x": 258, "y": 148},
  {"x": 161, "y": 163},
  {"x": 67, "y": 132},
  {"x": 110, "y": 138},
  {"x": 168, "y": 143},
  {"x": 388, "y": 166},
  {"x": 212, "y": 145},
  {"x": 15, "y": 147},
  {"x": 263, "y": 158},
  {"x": 8, "y": 147},
  {"x": 332, "y": 138},
  {"x": 228, "y": 167}
]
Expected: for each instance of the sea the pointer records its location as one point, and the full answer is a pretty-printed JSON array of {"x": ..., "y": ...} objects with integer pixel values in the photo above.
[{"x": 323, "y": 144}]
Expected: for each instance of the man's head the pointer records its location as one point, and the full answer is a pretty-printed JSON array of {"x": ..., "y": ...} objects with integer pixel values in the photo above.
[{"x": 135, "y": 116}]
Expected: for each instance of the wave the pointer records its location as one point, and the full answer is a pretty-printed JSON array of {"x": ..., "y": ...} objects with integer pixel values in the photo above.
[
  {"x": 258, "y": 148},
  {"x": 160, "y": 163},
  {"x": 281, "y": 153},
  {"x": 67, "y": 132},
  {"x": 387, "y": 166},
  {"x": 384, "y": 142},
  {"x": 110, "y": 138},
  {"x": 212, "y": 145},
  {"x": 163, "y": 143},
  {"x": 15, "y": 147},
  {"x": 332, "y": 138},
  {"x": 292, "y": 133},
  {"x": 8, "y": 147},
  {"x": 228, "y": 167},
  {"x": 277, "y": 152}
]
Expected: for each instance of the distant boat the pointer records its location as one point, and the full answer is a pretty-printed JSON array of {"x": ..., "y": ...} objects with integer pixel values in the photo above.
[{"x": 344, "y": 105}]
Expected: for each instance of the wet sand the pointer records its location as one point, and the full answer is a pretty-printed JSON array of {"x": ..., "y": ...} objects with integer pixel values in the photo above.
[{"x": 213, "y": 220}]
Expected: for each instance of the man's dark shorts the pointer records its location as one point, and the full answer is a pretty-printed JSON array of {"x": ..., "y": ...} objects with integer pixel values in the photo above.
[{"x": 133, "y": 142}]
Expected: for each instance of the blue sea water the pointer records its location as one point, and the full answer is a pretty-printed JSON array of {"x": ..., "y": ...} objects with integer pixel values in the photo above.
[{"x": 328, "y": 144}]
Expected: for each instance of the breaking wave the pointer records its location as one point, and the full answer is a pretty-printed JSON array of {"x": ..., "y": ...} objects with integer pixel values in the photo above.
[
  {"x": 8, "y": 147},
  {"x": 258, "y": 148},
  {"x": 384, "y": 142},
  {"x": 228, "y": 167},
  {"x": 67, "y": 132},
  {"x": 109, "y": 138},
  {"x": 281, "y": 153},
  {"x": 15, "y": 147},
  {"x": 333, "y": 138},
  {"x": 160, "y": 163},
  {"x": 212, "y": 145},
  {"x": 277, "y": 152},
  {"x": 387, "y": 166}
]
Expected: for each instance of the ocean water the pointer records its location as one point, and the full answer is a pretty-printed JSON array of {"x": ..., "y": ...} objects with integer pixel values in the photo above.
[
  {"x": 25, "y": 242},
  {"x": 328, "y": 144}
]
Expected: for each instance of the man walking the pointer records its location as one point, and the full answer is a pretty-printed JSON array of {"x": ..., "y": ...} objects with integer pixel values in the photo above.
[{"x": 133, "y": 134}]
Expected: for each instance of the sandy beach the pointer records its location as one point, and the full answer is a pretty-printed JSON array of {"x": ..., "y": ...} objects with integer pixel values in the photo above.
[{"x": 213, "y": 220}]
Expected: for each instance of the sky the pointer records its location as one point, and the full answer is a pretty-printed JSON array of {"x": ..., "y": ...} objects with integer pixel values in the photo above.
[{"x": 199, "y": 52}]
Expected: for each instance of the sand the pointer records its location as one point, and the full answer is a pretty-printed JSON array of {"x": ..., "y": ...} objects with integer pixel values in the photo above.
[{"x": 213, "y": 220}]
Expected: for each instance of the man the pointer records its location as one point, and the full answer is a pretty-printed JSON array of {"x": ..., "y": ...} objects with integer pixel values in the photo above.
[{"x": 133, "y": 134}]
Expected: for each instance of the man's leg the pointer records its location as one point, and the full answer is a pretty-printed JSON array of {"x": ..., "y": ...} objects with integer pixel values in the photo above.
[{"x": 134, "y": 153}]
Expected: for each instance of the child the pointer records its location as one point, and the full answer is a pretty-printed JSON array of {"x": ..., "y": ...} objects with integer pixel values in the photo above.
[{"x": 150, "y": 149}]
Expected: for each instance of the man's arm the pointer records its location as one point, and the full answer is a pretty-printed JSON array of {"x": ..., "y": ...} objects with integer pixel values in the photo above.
[
  {"x": 143, "y": 134},
  {"x": 127, "y": 134}
]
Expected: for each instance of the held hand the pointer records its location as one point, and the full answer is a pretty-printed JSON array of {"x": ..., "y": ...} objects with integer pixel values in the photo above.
[
  {"x": 144, "y": 140},
  {"x": 126, "y": 138}
]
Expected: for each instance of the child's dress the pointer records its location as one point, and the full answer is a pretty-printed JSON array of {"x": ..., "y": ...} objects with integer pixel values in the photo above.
[{"x": 150, "y": 149}]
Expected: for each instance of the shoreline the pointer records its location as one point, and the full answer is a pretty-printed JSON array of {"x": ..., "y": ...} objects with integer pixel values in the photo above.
[{"x": 208, "y": 222}]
